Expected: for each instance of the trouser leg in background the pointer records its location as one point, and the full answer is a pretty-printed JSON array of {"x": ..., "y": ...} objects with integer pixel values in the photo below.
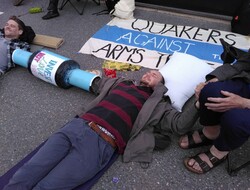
[
  {"x": 69, "y": 158},
  {"x": 213, "y": 89},
  {"x": 53, "y": 4},
  {"x": 52, "y": 10},
  {"x": 235, "y": 129}
]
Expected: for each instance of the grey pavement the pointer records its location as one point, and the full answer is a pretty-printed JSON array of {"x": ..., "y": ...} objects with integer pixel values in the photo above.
[{"x": 31, "y": 110}]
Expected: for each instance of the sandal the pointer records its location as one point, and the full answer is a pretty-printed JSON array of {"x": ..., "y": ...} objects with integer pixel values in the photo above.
[
  {"x": 203, "y": 165},
  {"x": 192, "y": 144}
]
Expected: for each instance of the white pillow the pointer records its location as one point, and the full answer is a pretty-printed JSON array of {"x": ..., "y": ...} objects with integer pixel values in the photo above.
[{"x": 182, "y": 73}]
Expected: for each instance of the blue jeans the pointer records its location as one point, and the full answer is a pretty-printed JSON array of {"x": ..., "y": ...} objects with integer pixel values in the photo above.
[{"x": 69, "y": 158}]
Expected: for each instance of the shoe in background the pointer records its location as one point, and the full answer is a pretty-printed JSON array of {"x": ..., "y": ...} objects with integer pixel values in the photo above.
[
  {"x": 51, "y": 14},
  {"x": 17, "y": 2}
]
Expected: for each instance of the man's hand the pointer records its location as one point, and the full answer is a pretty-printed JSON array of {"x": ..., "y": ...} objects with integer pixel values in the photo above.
[
  {"x": 200, "y": 86},
  {"x": 229, "y": 102},
  {"x": 198, "y": 89}
]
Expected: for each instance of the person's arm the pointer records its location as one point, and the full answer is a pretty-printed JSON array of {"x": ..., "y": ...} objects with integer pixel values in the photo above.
[
  {"x": 100, "y": 84},
  {"x": 227, "y": 71},
  {"x": 179, "y": 122},
  {"x": 230, "y": 101},
  {"x": 95, "y": 85}
]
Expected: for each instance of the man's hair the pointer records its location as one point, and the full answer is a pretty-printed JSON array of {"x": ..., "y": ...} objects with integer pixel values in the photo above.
[
  {"x": 163, "y": 80},
  {"x": 20, "y": 23}
]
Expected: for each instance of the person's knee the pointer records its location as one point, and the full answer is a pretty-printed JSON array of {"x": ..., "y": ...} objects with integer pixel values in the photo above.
[{"x": 210, "y": 90}]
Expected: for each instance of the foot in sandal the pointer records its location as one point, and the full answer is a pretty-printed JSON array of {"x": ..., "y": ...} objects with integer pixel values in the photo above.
[
  {"x": 204, "y": 162},
  {"x": 194, "y": 139}
]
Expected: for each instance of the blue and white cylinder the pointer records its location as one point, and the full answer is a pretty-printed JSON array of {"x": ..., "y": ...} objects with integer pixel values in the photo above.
[{"x": 53, "y": 68}]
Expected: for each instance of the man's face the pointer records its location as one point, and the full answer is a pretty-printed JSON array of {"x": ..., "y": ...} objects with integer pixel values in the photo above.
[
  {"x": 12, "y": 30},
  {"x": 151, "y": 78}
]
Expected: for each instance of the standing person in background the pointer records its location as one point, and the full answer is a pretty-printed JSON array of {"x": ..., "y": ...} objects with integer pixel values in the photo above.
[{"x": 52, "y": 10}]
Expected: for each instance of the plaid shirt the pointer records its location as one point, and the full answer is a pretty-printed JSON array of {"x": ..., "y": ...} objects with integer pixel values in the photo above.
[{"x": 11, "y": 46}]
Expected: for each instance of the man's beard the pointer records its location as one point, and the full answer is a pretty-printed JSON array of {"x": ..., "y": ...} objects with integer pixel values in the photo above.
[{"x": 143, "y": 83}]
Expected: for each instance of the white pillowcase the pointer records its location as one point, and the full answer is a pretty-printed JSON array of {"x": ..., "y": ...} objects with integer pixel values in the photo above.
[{"x": 182, "y": 73}]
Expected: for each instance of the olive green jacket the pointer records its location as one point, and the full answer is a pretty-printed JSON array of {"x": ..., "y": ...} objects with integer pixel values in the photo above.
[{"x": 156, "y": 112}]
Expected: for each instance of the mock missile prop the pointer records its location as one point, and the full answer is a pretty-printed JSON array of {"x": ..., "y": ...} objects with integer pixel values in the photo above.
[{"x": 53, "y": 68}]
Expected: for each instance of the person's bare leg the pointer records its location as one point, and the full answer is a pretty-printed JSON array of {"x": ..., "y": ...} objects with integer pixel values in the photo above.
[
  {"x": 211, "y": 132},
  {"x": 214, "y": 151}
]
